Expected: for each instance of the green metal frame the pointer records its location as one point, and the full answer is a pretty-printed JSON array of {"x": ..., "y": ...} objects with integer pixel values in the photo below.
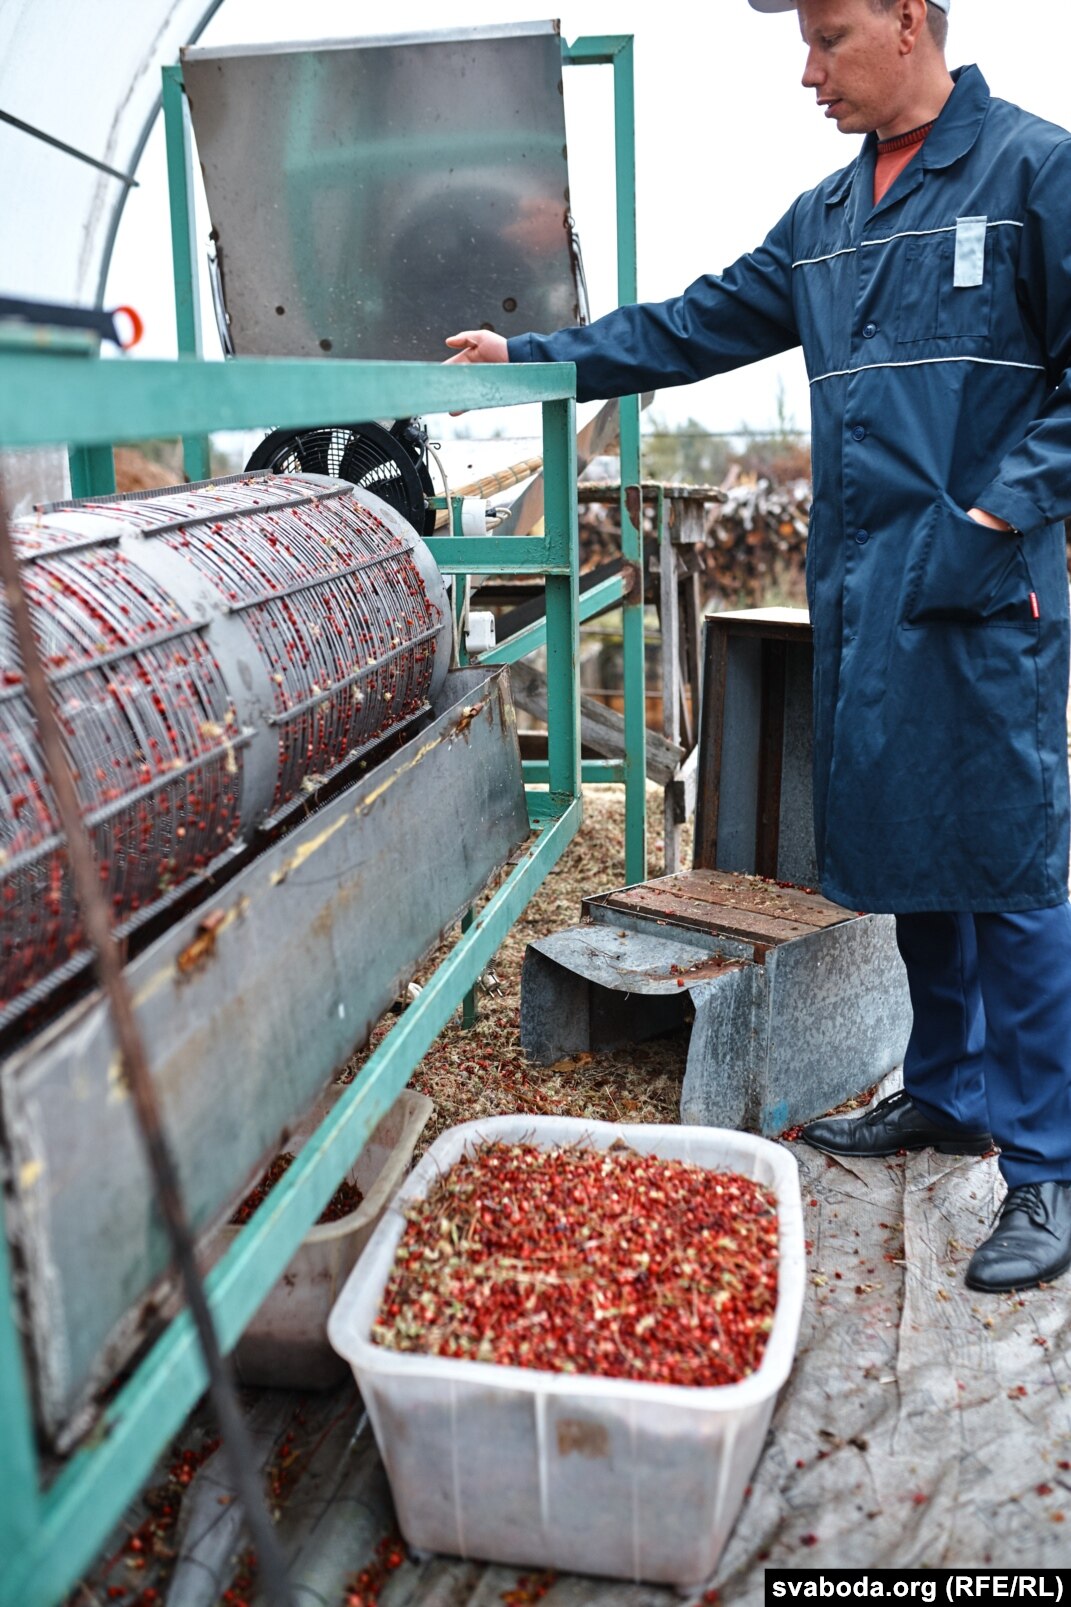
[
  {"x": 178, "y": 137},
  {"x": 616, "y": 50},
  {"x": 53, "y": 394},
  {"x": 49, "y": 1536}
]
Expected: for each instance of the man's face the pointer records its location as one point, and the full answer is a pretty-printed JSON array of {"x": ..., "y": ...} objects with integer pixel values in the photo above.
[{"x": 856, "y": 61}]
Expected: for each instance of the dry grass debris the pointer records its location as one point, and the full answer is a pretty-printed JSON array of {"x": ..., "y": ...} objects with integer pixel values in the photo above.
[{"x": 482, "y": 1072}]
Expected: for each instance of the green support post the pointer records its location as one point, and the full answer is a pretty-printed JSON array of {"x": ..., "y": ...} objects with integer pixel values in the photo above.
[
  {"x": 631, "y": 476},
  {"x": 461, "y": 589},
  {"x": 184, "y": 247},
  {"x": 563, "y": 600},
  {"x": 92, "y": 470},
  {"x": 617, "y": 50}
]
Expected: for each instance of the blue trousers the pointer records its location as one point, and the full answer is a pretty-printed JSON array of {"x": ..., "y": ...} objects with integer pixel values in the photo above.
[{"x": 990, "y": 1047}]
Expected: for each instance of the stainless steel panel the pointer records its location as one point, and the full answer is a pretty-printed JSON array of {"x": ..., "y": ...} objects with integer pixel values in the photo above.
[
  {"x": 840, "y": 1018},
  {"x": 370, "y": 197},
  {"x": 245, "y": 1016},
  {"x": 825, "y": 1017}
]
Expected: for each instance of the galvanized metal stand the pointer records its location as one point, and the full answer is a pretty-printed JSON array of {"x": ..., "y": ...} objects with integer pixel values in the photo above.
[{"x": 796, "y": 1004}]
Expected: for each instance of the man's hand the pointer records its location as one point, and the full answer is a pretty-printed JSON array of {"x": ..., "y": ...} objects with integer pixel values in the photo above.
[
  {"x": 979, "y": 516},
  {"x": 479, "y": 346}
]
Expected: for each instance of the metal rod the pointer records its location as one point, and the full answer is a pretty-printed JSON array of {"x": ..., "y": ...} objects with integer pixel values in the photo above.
[
  {"x": 58, "y": 397},
  {"x": 537, "y": 771},
  {"x": 135, "y": 158},
  {"x": 69, "y": 150},
  {"x": 596, "y": 600},
  {"x": 311, "y": 582},
  {"x": 491, "y": 483},
  {"x": 109, "y": 540},
  {"x": 168, "y": 527},
  {"x": 373, "y": 665},
  {"x": 179, "y": 142},
  {"x": 236, "y": 1443},
  {"x": 116, "y": 806},
  {"x": 100, "y": 661}
]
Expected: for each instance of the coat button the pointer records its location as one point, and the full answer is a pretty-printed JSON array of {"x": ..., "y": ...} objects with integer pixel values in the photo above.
[
  {"x": 862, "y": 537},
  {"x": 869, "y": 331},
  {"x": 859, "y": 433}
]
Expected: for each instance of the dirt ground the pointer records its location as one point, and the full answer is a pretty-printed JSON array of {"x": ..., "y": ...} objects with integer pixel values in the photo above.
[{"x": 481, "y": 1071}]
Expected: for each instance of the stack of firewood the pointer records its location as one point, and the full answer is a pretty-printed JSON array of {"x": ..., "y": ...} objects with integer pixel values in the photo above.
[
  {"x": 757, "y": 544},
  {"x": 756, "y": 541}
]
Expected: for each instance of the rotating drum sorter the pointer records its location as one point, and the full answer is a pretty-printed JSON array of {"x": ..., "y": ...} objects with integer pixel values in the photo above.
[{"x": 216, "y": 652}]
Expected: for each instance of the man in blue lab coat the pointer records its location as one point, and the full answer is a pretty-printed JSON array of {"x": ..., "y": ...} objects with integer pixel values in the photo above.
[{"x": 929, "y": 284}]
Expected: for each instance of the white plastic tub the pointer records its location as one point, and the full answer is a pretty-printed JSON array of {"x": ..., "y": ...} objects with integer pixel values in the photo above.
[
  {"x": 555, "y": 1470},
  {"x": 285, "y": 1346}
]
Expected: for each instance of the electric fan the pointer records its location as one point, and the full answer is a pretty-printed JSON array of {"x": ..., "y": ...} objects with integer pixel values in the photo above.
[{"x": 391, "y": 463}]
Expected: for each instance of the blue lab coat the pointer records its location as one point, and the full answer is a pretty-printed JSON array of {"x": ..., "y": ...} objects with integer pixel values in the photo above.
[{"x": 936, "y": 329}]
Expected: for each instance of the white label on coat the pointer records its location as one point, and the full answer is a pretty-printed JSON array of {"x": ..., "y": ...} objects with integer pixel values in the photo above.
[{"x": 970, "y": 252}]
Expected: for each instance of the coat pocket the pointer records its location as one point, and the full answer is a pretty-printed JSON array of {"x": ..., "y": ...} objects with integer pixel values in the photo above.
[
  {"x": 932, "y": 305},
  {"x": 964, "y": 573}
]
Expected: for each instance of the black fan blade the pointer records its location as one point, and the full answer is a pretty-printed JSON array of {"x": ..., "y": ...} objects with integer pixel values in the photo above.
[{"x": 312, "y": 450}]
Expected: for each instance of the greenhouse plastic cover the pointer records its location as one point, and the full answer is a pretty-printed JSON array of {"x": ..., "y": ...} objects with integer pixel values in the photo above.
[{"x": 88, "y": 75}]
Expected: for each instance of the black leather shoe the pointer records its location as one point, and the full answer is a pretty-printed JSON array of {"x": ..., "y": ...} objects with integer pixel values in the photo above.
[
  {"x": 891, "y": 1125},
  {"x": 1031, "y": 1242}
]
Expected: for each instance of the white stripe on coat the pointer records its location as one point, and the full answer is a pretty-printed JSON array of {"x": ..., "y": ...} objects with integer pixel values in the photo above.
[
  {"x": 905, "y": 234},
  {"x": 922, "y": 362}
]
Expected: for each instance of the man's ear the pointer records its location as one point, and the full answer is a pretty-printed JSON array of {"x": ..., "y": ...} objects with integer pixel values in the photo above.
[{"x": 912, "y": 16}]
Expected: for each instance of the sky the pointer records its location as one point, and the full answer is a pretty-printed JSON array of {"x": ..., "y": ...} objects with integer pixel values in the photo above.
[{"x": 726, "y": 139}]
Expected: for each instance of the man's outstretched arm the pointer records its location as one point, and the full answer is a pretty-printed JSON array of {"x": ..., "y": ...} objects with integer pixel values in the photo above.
[{"x": 720, "y": 322}]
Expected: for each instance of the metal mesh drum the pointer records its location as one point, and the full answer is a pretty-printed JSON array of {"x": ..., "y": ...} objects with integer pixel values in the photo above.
[{"x": 216, "y": 652}]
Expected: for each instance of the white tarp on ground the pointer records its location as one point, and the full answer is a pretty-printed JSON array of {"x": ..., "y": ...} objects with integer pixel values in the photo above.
[
  {"x": 924, "y": 1424},
  {"x": 87, "y": 73}
]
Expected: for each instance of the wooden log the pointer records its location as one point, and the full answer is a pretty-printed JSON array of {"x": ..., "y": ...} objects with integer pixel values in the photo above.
[{"x": 601, "y": 729}]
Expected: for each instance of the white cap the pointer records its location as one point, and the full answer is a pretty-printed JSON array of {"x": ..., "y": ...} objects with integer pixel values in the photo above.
[{"x": 790, "y": 5}]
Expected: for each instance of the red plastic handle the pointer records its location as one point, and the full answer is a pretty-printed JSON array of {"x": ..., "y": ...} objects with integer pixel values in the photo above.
[{"x": 137, "y": 326}]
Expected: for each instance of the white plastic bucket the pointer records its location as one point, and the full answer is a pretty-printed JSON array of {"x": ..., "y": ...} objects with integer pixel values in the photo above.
[
  {"x": 285, "y": 1345},
  {"x": 556, "y": 1470}
]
